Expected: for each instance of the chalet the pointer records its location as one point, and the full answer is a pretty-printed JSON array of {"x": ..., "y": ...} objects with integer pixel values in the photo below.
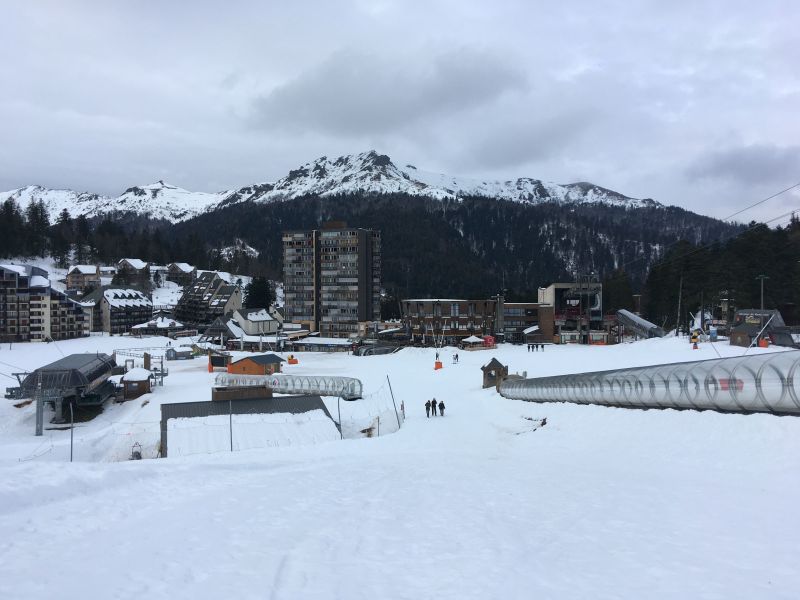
[
  {"x": 208, "y": 298},
  {"x": 181, "y": 273},
  {"x": 158, "y": 326},
  {"x": 83, "y": 277},
  {"x": 132, "y": 271},
  {"x": 261, "y": 364}
]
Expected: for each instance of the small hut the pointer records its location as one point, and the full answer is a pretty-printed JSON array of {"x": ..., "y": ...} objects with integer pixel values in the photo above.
[
  {"x": 135, "y": 383},
  {"x": 494, "y": 373},
  {"x": 261, "y": 364}
]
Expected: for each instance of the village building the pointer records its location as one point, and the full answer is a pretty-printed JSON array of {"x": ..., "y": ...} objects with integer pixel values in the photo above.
[
  {"x": 261, "y": 364},
  {"x": 527, "y": 322},
  {"x": 448, "y": 320},
  {"x": 332, "y": 278},
  {"x": 83, "y": 277},
  {"x": 136, "y": 382},
  {"x": 207, "y": 299},
  {"x": 258, "y": 321},
  {"x": 116, "y": 310},
  {"x": 181, "y": 273},
  {"x": 160, "y": 325},
  {"x": 577, "y": 312},
  {"x": 132, "y": 271},
  {"x": 32, "y": 310}
]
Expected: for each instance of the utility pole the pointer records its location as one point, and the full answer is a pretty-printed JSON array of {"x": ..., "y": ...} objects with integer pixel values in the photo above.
[
  {"x": 762, "y": 278},
  {"x": 678, "y": 322}
]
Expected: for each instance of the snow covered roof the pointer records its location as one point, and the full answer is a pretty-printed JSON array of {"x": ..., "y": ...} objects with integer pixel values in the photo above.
[
  {"x": 119, "y": 298},
  {"x": 473, "y": 339},
  {"x": 256, "y": 314},
  {"x": 324, "y": 341},
  {"x": 181, "y": 266},
  {"x": 18, "y": 269},
  {"x": 531, "y": 329},
  {"x": 137, "y": 374},
  {"x": 159, "y": 323},
  {"x": 135, "y": 263},
  {"x": 83, "y": 269},
  {"x": 39, "y": 281}
]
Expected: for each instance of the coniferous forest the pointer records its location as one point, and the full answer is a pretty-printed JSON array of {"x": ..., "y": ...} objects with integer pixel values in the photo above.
[{"x": 473, "y": 247}]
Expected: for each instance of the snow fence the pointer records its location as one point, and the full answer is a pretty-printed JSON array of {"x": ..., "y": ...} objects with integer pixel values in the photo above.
[{"x": 767, "y": 383}]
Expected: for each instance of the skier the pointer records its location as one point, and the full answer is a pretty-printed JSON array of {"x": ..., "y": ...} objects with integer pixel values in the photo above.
[
  {"x": 428, "y": 409},
  {"x": 433, "y": 406},
  {"x": 441, "y": 408}
]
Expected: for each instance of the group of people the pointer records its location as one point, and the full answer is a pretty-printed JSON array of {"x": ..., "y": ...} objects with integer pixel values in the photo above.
[
  {"x": 535, "y": 347},
  {"x": 431, "y": 405}
]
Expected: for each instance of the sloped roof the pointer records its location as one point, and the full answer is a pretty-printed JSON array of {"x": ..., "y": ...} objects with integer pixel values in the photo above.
[
  {"x": 135, "y": 263},
  {"x": 263, "y": 359},
  {"x": 120, "y": 298},
  {"x": 83, "y": 269},
  {"x": 493, "y": 364},
  {"x": 181, "y": 266},
  {"x": 160, "y": 323},
  {"x": 256, "y": 315},
  {"x": 137, "y": 374}
]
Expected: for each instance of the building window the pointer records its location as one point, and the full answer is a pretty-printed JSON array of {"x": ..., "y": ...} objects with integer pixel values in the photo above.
[{"x": 454, "y": 309}]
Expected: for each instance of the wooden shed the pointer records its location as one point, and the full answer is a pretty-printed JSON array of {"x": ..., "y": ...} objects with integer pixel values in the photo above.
[
  {"x": 494, "y": 373},
  {"x": 135, "y": 383},
  {"x": 261, "y": 364}
]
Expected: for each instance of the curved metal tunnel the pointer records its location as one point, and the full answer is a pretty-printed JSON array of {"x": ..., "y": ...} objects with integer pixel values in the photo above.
[
  {"x": 767, "y": 383},
  {"x": 346, "y": 388}
]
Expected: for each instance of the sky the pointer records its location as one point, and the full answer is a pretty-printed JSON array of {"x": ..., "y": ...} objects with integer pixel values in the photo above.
[{"x": 689, "y": 103}]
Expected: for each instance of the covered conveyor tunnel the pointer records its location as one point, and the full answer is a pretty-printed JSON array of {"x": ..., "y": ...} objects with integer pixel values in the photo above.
[{"x": 768, "y": 383}]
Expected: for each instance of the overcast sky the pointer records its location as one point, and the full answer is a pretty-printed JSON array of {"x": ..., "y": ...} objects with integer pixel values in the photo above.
[{"x": 690, "y": 103}]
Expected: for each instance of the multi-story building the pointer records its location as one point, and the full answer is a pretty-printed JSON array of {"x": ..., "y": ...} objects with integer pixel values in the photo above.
[
  {"x": 332, "y": 278},
  {"x": 207, "y": 298},
  {"x": 83, "y": 277},
  {"x": 578, "y": 311},
  {"x": 31, "y": 310},
  {"x": 448, "y": 321},
  {"x": 116, "y": 310},
  {"x": 527, "y": 322}
]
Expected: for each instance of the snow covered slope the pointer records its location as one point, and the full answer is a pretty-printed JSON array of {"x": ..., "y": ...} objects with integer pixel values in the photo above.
[
  {"x": 368, "y": 172},
  {"x": 484, "y": 503},
  {"x": 158, "y": 200}
]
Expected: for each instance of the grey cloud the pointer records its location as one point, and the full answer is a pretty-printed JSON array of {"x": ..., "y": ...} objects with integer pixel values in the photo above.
[
  {"x": 353, "y": 93},
  {"x": 753, "y": 164}
]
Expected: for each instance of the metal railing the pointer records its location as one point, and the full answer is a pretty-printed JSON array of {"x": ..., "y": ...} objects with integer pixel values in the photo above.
[{"x": 767, "y": 383}]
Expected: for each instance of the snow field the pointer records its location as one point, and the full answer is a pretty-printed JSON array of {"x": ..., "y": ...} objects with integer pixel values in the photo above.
[{"x": 599, "y": 503}]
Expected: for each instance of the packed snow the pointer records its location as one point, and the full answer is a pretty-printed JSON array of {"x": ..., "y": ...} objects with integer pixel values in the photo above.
[{"x": 485, "y": 502}]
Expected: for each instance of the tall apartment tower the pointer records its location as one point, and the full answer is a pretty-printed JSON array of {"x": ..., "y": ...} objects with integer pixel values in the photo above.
[{"x": 332, "y": 278}]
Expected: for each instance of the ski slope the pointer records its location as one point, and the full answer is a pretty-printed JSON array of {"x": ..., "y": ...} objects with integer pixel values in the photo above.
[{"x": 482, "y": 503}]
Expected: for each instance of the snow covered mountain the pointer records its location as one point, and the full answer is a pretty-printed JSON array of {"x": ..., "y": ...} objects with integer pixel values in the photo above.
[
  {"x": 370, "y": 172},
  {"x": 365, "y": 173},
  {"x": 158, "y": 200}
]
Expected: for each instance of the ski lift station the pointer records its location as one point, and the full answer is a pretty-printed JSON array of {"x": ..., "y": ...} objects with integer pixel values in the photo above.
[{"x": 81, "y": 379}]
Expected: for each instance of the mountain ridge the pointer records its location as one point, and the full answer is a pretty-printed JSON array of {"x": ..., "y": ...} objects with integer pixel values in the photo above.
[{"x": 364, "y": 173}]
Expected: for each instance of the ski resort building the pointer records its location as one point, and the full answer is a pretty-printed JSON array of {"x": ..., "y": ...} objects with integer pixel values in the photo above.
[
  {"x": 526, "y": 322},
  {"x": 132, "y": 271},
  {"x": 31, "y": 310},
  {"x": 83, "y": 277},
  {"x": 578, "y": 312},
  {"x": 208, "y": 298},
  {"x": 332, "y": 278},
  {"x": 448, "y": 320},
  {"x": 116, "y": 310},
  {"x": 181, "y": 273}
]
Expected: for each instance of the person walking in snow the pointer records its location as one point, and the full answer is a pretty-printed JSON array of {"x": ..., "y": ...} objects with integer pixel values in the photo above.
[
  {"x": 437, "y": 355},
  {"x": 441, "y": 408},
  {"x": 428, "y": 409},
  {"x": 433, "y": 406}
]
